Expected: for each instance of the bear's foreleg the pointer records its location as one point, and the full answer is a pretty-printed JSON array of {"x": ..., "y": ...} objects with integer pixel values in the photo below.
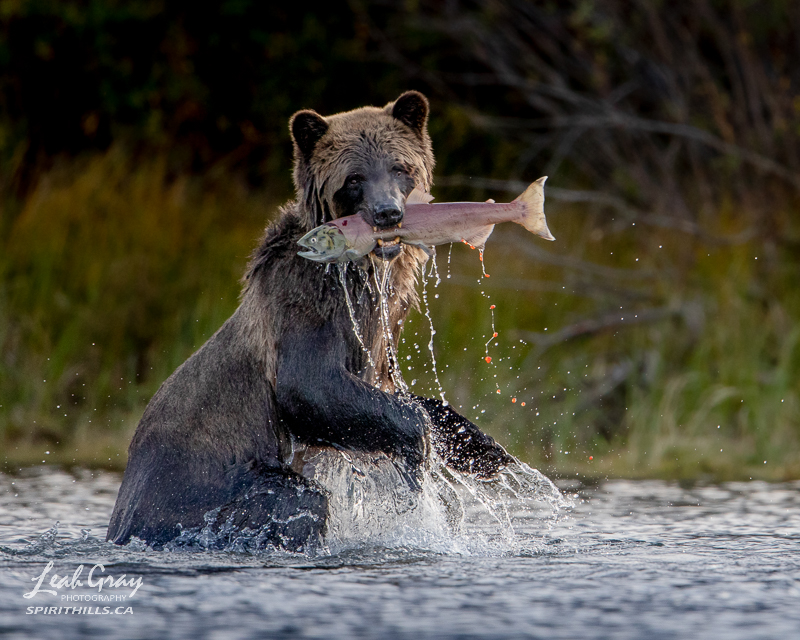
[
  {"x": 323, "y": 403},
  {"x": 460, "y": 443}
]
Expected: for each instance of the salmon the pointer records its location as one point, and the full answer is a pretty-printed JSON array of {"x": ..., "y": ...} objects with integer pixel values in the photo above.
[{"x": 427, "y": 225}]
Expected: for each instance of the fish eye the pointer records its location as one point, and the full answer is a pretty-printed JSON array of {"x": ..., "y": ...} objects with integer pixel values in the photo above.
[{"x": 313, "y": 240}]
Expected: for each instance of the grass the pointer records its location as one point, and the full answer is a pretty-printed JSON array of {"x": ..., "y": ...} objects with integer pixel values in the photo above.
[
  {"x": 114, "y": 271},
  {"x": 706, "y": 389}
]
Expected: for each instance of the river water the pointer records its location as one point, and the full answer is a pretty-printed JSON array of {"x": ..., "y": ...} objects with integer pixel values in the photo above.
[{"x": 511, "y": 560}]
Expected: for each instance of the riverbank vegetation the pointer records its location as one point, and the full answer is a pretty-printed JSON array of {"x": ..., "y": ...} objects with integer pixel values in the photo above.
[{"x": 657, "y": 337}]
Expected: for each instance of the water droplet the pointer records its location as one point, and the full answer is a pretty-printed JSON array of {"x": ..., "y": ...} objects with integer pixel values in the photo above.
[{"x": 433, "y": 331}]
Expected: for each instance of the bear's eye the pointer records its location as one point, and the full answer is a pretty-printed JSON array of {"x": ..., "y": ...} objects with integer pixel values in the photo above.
[
  {"x": 353, "y": 180},
  {"x": 399, "y": 172}
]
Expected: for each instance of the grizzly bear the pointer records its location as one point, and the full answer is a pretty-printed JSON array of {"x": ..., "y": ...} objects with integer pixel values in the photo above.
[{"x": 303, "y": 363}]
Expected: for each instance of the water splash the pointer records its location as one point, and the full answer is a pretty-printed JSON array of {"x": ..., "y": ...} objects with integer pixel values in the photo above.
[
  {"x": 372, "y": 504},
  {"x": 44, "y": 542}
]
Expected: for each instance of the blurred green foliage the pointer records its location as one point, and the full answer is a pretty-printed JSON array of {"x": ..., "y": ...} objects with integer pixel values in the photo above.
[
  {"x": 112, "y": 275},
  {"x": 144, "y": 145}
]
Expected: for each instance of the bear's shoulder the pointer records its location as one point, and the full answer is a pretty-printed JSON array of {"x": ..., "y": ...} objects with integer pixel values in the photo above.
[
  {"x": 279, "y": 242},
  {"x": 279, "y": 283}
]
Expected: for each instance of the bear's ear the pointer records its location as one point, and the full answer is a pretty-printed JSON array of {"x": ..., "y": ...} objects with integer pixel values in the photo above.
[
  {"x": 307, "y": 128},
  {"x": 411, "y": 108}
]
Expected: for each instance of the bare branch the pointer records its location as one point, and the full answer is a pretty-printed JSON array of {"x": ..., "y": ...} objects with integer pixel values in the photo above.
[
  {"x": 545, "y": 341},
  {"x": 579, "y": 288},
  {"x": 633, "y": 123}
]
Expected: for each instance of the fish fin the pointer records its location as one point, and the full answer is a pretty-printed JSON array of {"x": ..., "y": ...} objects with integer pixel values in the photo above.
[
  {"x": 534, "y": 220},
  {"x": 479, "y": 239},
  {"x": 352, "y": 254},
  {"x": 418, "y": 196}
]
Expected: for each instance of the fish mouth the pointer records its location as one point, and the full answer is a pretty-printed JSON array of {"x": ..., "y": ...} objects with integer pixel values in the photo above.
[
  {"x": 388, "y": 249},
  {"x": 315, "y": 256},
  {"x": 311, "y": 252}
]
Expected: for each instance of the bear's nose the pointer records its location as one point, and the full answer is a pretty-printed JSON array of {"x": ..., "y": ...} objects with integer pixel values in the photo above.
[{"x": 387, "y": 215}]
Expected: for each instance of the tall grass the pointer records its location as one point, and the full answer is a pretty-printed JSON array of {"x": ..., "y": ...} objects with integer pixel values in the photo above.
[
  {"x": 114, "y": 271},
  {"x": 693, "y": 372},
  {"x": 659, "y": 334}
]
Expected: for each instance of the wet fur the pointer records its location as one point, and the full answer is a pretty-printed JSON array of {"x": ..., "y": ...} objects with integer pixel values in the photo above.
[{"x": 286, "y": 372}]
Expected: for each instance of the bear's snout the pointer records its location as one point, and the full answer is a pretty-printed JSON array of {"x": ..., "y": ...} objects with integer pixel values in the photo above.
[{"x": 387, "y": 215}]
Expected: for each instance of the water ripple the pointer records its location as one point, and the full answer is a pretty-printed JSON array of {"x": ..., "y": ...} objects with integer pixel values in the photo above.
[{"x": 508, "y": 558}]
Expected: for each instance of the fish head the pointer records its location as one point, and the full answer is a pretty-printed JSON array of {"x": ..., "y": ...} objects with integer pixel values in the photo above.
[{"x": 325, "y": 243}]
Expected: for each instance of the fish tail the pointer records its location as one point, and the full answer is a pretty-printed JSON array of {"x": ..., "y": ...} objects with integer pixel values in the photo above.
[{"x": 533, "y": 199}]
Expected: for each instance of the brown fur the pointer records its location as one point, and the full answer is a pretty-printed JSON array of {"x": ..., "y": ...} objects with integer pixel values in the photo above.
[
  {"x": 287, "y": 371},
  {"x": 352, "y": 139}
]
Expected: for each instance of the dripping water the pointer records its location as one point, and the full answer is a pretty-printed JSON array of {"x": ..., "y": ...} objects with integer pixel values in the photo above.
[
  {"x": 342, "y": 268},
  {"x": 433, "y": 331},
  {"x": 434, "y": 269},
  {"x": 384, "y": 290},
  {"x": 493, "y": 335},
  {"x": 449, "y": 255},
  {"x": 372, "y": 500}
]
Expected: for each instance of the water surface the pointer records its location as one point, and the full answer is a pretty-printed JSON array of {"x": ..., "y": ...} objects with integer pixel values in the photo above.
[{"x": 627, "y": 560}]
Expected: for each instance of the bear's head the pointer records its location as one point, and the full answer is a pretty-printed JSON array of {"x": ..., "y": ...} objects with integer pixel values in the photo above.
[{"x": 364, "y": 161}]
